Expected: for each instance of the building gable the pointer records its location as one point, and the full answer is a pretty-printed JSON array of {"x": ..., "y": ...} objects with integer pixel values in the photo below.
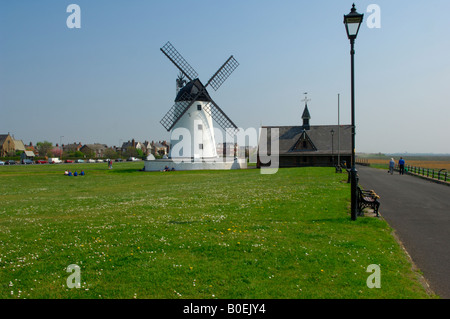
[
  {"x": 303, "y": 143},
  {"x": 6, "y": 144}
]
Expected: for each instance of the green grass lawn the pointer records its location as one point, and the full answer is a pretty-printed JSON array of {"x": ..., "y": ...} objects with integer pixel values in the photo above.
[{"x": 198, "y": 234}]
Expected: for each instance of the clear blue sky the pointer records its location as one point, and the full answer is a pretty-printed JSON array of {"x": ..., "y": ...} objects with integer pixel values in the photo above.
[{"x": 108, "y": 82}]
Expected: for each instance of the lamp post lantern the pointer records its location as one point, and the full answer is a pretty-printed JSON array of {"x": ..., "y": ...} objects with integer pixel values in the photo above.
[{"x": 352, "y": 23}]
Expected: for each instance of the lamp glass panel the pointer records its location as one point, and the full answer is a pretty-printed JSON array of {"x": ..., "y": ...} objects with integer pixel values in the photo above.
[{"x": 352, "y": 28}]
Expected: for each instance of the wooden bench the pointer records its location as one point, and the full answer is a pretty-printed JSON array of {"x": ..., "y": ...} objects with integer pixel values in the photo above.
[{"x": 367, "y": 199}]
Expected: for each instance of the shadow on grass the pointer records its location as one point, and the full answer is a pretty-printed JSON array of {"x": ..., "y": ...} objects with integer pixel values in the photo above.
[
  {"x": 126, "y": 171},
  {"x": 179, "y": 222}
]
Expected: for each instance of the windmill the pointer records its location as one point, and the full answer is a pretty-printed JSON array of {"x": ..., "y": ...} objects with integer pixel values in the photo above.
[{"x": 194, "y": 109}]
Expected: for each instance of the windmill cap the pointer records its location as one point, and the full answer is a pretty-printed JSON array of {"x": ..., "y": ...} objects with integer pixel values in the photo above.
[{"x": 190, "y": 91}]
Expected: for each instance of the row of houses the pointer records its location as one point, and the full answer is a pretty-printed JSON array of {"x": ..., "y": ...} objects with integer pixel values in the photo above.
[
  {"x": 10, "y": 146},
  {"x": 101, "y": 150}
]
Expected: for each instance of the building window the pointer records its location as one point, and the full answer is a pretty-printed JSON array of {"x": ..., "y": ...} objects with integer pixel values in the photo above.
[
  {"x": 199, "y": 107},
  {"x": 200, "y": 127},
  {"x": 200, "y": 146},
  {"x": 304, "y": 144}
]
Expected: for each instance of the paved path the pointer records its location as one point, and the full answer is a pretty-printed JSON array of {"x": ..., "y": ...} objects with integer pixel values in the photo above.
[{"x": 419, "y": 212}]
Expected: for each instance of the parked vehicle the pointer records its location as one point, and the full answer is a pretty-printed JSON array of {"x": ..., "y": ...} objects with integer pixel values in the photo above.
[
  {"x": 69, "y": 161},
  {"x": 41, "y": 162},
  {"x": 90, "y": 161},
  {"x": 79, "y": 161},
  {"x": 119, "y": 160},
  {"x": 54, "y": 160},
  {"x": 99, "y": 161},
  {"x": 2, "y": 163},
  {"x": 132, "y": 159},
  {"x": 27, "y": 161},
  {"x": 10, "y": 162}
]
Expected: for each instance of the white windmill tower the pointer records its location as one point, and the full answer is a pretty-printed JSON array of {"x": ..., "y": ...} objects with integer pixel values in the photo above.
[{"x": 194, "y": 110}]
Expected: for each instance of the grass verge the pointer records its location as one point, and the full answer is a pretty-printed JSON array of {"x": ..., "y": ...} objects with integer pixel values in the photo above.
[{"x": 198, "y": 234}]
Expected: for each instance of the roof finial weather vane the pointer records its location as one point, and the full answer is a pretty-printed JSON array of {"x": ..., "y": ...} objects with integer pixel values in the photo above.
[{"x": 306, "y": 98}]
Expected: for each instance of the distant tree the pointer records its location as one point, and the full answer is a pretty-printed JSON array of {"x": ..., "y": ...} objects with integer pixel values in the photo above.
[
  {"x": 12, "y": 153},
  {"x": 86, "y": 153},
  {"x": 79, "y": 154},
  {"x": 110, "y": 153},
  {"x": 130, "y": 152},
  {"x": 44, "y": 148},
  {"x": 56, "y": 152},
  {"x": 76, "y": 154}
]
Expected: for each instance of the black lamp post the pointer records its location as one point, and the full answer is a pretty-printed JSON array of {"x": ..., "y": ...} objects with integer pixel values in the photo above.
[
  {"x": 332, "y": 146},
  {"x": 352, "y": 23}
]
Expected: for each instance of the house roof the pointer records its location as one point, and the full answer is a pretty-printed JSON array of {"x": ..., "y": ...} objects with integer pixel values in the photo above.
[
  {"x": 19, "y": 145},
  {"x": 3, "y": 137},
  {"x": 159, "y": 145},
  {"x": 318, "y": 135},
  {"x": 96, "y": 146},
  {"x": 130, "y": 144},
  {"x": 72, "y": 147}
]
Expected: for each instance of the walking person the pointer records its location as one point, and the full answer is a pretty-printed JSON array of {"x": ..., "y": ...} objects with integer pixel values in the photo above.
[
  {"x": 391, "y": 166},
  {"x": 401, "y": 165}
]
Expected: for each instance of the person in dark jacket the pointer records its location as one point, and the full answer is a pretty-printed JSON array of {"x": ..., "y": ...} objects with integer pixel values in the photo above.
[{"x": 401, "y": 165}]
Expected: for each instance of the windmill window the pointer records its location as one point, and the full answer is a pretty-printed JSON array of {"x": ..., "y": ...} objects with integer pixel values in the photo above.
[
  {"x": 199, "y": 107},
  {"x": 200, "y": 146},
  {"x": 200, "y": 127}
]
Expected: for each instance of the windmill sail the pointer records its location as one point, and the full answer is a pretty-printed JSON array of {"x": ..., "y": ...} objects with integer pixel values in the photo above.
[
  {"x": 223, "y": 73},
  {"x": 176, "y": 58},
  {"x": 221, "y": 118},
  {"x": 177, "y": 110}
]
